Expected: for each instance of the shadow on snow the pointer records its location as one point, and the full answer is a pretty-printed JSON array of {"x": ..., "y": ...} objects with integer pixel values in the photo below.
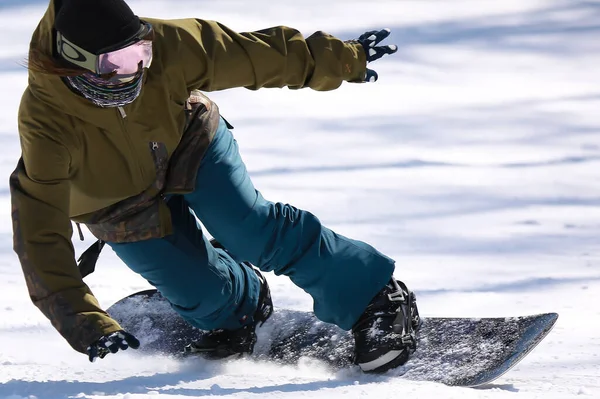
[{"x": 145, "y": 384}]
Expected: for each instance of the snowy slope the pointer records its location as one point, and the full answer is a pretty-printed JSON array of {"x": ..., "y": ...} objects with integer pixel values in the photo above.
[{"x": 474, "y": 162}]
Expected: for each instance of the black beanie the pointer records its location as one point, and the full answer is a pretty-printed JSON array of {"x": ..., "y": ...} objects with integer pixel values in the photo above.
[{"x": 96, "y": 24}]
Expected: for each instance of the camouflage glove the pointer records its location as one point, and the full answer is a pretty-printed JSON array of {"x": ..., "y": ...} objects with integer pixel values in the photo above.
[
  {"x": 111, "y": 343},
  {"x": 370, "y": 41}
]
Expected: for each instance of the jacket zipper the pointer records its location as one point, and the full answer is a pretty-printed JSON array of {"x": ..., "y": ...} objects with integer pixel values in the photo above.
[{"x": 123, "y": 115}]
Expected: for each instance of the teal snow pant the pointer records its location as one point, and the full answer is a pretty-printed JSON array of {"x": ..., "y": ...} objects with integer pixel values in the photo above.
[{"x": 211, "y": 289}]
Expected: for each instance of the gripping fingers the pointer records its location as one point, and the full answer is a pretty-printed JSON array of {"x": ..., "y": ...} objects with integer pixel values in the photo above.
[
  {"x": 372, "y": 76},
  {"x": 95, "y": 352},
  {"x": 374, "y": 37},
  {"x": 114, "y": 346},
  {"x": 92, "y": 351},
  {"x": 111, "y": 343},
  {"x": 132, "y": 341},
  {"x": 370, "y": 41},
  {"x": 376, "y": 53}
]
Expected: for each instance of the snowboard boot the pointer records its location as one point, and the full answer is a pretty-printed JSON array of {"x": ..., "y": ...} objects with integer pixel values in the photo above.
[
  {"x": 385, "y": 334},
  {"x": 222, "y": 344}
]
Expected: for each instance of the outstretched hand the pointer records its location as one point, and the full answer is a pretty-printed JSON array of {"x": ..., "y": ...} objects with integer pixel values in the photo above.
[
  {"x": 111, "y": 343},
  {"x": 370, "y": 42}
]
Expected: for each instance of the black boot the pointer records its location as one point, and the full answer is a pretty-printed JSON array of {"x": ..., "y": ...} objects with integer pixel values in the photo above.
[
  {"x": 221, "y": 344},
  {"x": 385, "y": 334}
]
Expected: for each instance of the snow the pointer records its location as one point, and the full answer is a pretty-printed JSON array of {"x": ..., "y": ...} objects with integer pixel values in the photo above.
[{"x": 473, "y": 162}]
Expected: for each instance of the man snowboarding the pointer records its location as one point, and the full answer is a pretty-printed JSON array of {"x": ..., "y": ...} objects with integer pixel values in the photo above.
[{"x": 116, "y": 135}]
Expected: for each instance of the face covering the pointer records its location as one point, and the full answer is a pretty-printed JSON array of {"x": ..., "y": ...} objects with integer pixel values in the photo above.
[{"x": 105, "y": 93}]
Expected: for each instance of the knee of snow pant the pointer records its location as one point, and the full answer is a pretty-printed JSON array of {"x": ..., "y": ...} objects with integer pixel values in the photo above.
[
  {"x": 203, "y": 284},
  {"x": 342, "y": 275}
]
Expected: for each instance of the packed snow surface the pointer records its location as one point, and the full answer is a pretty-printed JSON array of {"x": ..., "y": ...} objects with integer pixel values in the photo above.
[{"x": 474, "y": 162}]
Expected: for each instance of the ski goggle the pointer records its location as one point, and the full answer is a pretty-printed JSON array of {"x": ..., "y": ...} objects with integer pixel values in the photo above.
[{"x": 119, "y": 64}]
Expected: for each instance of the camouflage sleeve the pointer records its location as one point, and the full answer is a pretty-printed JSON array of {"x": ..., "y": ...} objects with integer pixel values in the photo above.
[
  {"x": 215, "y": 57},
  {"x": 42, "y": 240}
]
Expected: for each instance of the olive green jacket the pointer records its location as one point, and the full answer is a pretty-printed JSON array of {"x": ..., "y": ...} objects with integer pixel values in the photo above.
[{"x": 108, "y": 167}]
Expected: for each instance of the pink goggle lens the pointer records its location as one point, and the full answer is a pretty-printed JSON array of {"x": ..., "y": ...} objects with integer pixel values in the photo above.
[{"x": 126, "y": 61}]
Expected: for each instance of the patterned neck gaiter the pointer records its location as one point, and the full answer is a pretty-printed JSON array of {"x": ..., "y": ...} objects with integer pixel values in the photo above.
[{"x": 106, "y": 95}]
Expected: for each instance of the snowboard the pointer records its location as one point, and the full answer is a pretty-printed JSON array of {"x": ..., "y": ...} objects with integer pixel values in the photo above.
[{"x": 454, "y": 351}]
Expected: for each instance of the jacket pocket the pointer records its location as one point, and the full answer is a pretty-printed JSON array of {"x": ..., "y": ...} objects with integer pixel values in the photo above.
[{"x": 136, "y": 218}]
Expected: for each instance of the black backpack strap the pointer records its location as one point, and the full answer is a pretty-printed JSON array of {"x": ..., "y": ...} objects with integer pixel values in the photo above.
[
  {"x": 87, "y": 260},
  {"x": 229, "y": 125}
]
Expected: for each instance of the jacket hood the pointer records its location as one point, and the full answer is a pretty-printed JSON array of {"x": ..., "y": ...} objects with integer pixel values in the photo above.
[{"x": 44, "y": 35}]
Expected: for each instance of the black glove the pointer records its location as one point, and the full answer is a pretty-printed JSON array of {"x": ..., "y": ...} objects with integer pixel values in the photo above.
[
  {"x": 111, "y": 343},
  {"x": 370, "y": 41}
]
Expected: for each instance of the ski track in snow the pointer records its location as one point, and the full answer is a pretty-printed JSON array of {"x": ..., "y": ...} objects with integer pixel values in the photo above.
[{"x": 473, "y": 162}]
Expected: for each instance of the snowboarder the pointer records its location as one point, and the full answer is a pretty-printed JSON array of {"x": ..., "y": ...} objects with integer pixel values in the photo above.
[{"x": 116, "y": 135}]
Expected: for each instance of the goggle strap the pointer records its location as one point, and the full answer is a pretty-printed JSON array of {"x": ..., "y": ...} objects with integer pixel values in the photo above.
[{"x": 75, "y": 54}]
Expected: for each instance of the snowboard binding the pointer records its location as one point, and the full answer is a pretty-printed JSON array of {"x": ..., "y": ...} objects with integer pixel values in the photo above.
[
  {"x": 386, "y": 333},
  {"x": 222, "y": 344}
]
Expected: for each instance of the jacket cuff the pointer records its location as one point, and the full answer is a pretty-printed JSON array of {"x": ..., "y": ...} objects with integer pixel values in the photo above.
[
  {"x": 354, "y": 62},
  {"x": 90, "y": 328}
]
